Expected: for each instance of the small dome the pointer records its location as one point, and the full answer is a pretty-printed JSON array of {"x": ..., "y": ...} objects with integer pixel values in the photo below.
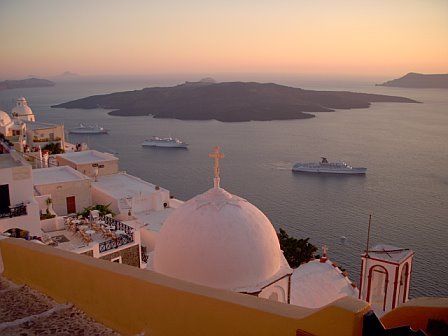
[
  {"x": 21, "y": 108},
  {"x": 219, "y": 240},
  {"x": 318, "y": 283},
  {"x": 5, "y": 119}
]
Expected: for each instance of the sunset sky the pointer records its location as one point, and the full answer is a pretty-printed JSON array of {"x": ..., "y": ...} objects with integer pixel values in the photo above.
[{"x": 345, "y": 37}]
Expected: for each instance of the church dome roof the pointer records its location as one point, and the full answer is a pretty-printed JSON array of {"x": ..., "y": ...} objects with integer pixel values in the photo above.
[
  {"x": 219, "y": 240},
  {"x": 318, "y": 283},
  {"x": 5, "y": 119},
  {"x": 21, "y": 108}
]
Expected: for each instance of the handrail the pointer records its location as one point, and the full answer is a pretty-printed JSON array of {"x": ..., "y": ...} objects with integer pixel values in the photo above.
[
  {"x": 15, "y": 211},
  {"x": 121, "y": 240}
]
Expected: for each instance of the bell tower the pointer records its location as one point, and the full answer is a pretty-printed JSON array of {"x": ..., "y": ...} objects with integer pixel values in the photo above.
[{"x": 385, "y": 277}]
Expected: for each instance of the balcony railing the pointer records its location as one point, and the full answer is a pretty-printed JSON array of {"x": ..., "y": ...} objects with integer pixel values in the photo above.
[
  {"x": 14, "y": 211},
  {"x": 116, "y": 243},
  {"x": 46, "y": 139},
  {"x": 126, "y": 238}
]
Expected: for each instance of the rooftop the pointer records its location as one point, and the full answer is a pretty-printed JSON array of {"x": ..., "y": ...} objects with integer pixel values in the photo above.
[
  {"x": 316, "y": 284},
  {"x": 153, "y": 220},
  {"x": 35, "y": 125},
  {"x": 57, "y": 175},
  {"x": 6, "y": 161},
  {"x": 390, "y": 253},
  {"x": 11, "y": 160},
  {"x": 88, "y": 156},
  {"x": 122, "y": 185}
]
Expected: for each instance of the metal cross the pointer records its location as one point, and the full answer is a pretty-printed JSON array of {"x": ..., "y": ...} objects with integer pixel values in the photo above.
[
  {"x": 216, "y": 155},
  {"x": 324, "y": 250}
]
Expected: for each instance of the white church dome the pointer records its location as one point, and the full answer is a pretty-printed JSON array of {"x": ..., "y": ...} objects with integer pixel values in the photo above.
[
  {"x": 21, "y": 108},
  {"x": 219, "y": 240},
  {"x": 5, "y": 119}
]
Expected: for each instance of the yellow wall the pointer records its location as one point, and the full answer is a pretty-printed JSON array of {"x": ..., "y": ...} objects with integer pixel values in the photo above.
[
  {"x": 131, "y": 300},
  {"x": 417, "y": 312}
]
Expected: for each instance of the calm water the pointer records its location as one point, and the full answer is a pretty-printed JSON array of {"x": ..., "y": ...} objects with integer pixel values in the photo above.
[{"x": 404, "y": 147}]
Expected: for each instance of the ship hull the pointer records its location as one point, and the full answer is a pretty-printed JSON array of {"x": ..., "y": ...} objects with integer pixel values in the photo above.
[
  {"x": 353, "y": 171},
  {"x": 73, "y": 131},
  {"x": 163, "y": 145}
]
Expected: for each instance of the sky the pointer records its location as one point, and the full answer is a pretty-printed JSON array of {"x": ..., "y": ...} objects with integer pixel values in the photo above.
[{"x": 136, "y": 37}]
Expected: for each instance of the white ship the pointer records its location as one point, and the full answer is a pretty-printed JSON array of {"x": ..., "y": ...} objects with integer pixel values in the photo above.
[
  {"x": 327, "y": 167},
  {"x": 87, "y": 129},
  {"x": 170, "y": 142}
]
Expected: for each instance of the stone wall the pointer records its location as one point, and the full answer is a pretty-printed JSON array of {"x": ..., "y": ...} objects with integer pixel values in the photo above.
[
  {"x": 129, "y": 256},
  {"x": 88, "y": 253}
]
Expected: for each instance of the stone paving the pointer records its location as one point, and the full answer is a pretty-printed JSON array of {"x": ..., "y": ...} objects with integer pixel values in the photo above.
[{"x": 26, "y": 312}]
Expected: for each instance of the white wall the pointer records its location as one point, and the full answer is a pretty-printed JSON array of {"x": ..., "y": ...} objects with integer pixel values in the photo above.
[
  {"x": 394, "y": 272},
  {"x": 61, "y": 190},
  {"x": 277, "y": 290},
  {"x": 110, "y": 167},
  {"x": 99, "y": 197},
  {"x": 20, "y": 182},
  {"x": 29, "y": 222},
  {"x": 148, "y": 238}
]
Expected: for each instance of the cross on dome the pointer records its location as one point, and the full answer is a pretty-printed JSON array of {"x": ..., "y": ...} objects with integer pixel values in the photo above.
[
  {"x": 216, "y": 155},
  {"x": 324, "y": 251}
]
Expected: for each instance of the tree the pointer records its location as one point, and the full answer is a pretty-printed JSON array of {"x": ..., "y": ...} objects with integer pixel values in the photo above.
[
  {"x": 295, "y": 250},
  {"x": 102, "y": 209},
  {"x": 54, "y": 148}
]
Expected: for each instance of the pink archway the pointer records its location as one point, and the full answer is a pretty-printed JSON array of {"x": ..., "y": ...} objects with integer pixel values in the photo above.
[{"x": 380, "y": 269}]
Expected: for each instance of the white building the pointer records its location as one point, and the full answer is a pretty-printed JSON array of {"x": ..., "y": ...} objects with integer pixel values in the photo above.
[
  {"x": 23, "y": 129},
  {"x": 69, "y": 189},
  {"x": 133, "y": 199},
  {"x": 6, "y": 124},
  {"x": 22, "y": 111},
  {"x": 40, "y": 134},
  {"x": 385, "y": 277},
  {"x": 91, "y": 162},
  {"x": 18, "y": 208},
  {"x": 13, "y": 130}
]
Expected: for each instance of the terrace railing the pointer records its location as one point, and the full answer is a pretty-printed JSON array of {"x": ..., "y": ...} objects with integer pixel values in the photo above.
[
  {"x": 14, "y": 211},
  {"x": 124, "y": 239}
]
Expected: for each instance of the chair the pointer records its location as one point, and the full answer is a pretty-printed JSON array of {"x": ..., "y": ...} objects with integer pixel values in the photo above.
[{"x": 94, "y": 215}]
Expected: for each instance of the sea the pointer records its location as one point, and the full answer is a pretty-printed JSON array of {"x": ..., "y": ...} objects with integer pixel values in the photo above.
[{"x": 403, "y": 145}]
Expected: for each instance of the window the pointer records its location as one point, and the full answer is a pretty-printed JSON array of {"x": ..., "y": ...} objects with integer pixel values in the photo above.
[{"x": 116, "y": 260}]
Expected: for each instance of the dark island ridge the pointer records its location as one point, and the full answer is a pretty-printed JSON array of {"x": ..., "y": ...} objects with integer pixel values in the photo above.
[
  {"x": 228, "y": 101},
  {"x": 421, "y": 81},
  {"x": 25, "y": 83}
]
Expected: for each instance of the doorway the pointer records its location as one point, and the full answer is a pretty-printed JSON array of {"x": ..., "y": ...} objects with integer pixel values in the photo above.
[
  {"x": 4, "y": 198},
  {"x": 71, "y": 204}
]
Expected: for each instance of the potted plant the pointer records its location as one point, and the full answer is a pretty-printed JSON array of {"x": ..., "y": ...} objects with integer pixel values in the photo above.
[{"x": 48, "y": 201}]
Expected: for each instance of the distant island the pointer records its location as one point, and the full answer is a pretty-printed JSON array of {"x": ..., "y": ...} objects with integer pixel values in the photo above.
[
  {"x": 228, "y": 101},
  {"x": 25, "y": 83},
  {"x": 67, "y": 75},
  {"x": 416, "y": 80}
]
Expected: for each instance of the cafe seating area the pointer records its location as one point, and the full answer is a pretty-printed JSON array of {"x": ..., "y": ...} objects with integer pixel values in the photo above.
[{"x": 107, "y": 231}]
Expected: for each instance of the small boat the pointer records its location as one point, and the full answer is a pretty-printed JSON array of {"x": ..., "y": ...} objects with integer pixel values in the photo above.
[
  {"x": 169, "y": 142},
  {"x": 327, "y": 167},
  {"x": 88, "y": 129}
]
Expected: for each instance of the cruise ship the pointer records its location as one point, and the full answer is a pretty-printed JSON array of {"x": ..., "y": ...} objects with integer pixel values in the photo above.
[
  {"x": 87, "y": 129},
  {"x": 169, "y": 142},
  {"x": 327, "y": 167}
]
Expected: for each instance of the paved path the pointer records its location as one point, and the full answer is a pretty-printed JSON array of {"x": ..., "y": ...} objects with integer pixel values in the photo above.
[{"x": 26, "y": 312}]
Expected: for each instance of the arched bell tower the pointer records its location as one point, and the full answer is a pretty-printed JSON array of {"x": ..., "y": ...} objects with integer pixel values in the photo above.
[{"x": 385, "y": 276}]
